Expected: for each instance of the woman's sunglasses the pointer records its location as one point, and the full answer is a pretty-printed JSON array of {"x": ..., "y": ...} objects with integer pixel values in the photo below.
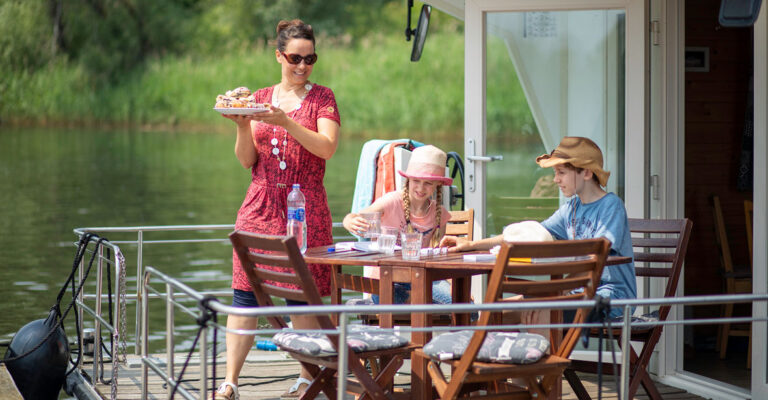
[{"x": 296, "y": 58}]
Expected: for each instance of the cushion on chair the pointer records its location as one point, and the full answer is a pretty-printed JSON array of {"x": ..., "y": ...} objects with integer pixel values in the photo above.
[
  {"x": 498, "y": 347},
  {"x": 359, "y": 338},
  {"x": 650, "y": 317},
  {"x": 360, "y": 302}
]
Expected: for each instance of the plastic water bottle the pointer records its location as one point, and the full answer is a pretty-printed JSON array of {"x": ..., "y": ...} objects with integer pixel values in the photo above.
[
  {"x": 267, "y": 345},
  {"x": 297, "y": 221}
]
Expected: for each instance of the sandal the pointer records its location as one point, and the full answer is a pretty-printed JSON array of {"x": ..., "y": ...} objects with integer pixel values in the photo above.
[
  {"x": 222, "y": 390},
  {"x": 297, "y": 390}
]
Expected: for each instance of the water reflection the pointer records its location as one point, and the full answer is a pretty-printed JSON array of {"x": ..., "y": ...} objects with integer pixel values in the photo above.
[{"x": 54, "y": 180}]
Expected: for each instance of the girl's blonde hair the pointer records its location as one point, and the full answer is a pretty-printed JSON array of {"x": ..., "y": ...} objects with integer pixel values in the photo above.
[{"x": 439, "y": 232}]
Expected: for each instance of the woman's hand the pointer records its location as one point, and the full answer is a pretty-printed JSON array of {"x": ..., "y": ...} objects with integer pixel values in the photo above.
[
  {"x": 455, "y": 244},
  {"x": 275, "y": 116},
  {"x": 242, "y": 121},
  {"x": 355, "y": 224}
]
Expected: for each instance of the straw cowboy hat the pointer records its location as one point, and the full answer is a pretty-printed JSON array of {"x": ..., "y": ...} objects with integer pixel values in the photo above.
[
  {"x": 428, "y": 163},
  {"x": 579, "y": 152}
]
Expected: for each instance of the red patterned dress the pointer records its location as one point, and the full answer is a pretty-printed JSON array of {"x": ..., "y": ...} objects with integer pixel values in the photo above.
[{"x": 263, "y": 210}]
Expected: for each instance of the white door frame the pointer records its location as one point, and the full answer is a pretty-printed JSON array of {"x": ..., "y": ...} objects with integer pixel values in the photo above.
[
  {"x": 636, "y": 106},
  {"x": 760, "y": 200}
]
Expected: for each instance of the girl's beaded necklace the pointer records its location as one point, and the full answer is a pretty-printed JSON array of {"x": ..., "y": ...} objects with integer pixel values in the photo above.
[{"x": 276, "y": 102}]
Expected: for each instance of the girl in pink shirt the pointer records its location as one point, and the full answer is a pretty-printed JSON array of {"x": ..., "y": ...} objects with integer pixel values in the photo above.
[{"x": 414, "y": 209}]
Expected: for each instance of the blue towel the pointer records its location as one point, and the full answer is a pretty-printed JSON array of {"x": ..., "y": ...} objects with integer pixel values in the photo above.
[{"x": 365, "y": 184}]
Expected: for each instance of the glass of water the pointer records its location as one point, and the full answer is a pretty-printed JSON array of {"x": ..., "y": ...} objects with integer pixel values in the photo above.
[
  {"x": 387, "y": 239},
  {"x": 374, "y": 225},
  {"x": 411, "y": 243}
]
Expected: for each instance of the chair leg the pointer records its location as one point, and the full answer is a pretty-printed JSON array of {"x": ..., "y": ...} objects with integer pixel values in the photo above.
[
  {"x": 726, "y": 331},
  {"x": 578, "y": 388},
  {"x": 322, "y": 381},
  {"x": 648, "y": 385}
]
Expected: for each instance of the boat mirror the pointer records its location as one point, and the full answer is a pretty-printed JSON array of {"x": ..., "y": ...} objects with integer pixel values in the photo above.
[{"x": 420, "y": 34}]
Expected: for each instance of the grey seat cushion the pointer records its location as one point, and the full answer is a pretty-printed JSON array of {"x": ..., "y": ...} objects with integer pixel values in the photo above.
[
  {"x": 359, "y": 338},
  {"x": 360, "y": 302},
  {"x": 498, "y": 347},
  {"x": 650, "y": 317}
]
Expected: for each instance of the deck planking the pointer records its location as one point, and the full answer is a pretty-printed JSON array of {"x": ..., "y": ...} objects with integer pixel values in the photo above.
[{"x": 267, "y": 374}]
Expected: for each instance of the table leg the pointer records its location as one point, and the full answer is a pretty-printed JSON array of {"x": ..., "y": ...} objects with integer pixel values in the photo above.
[
  {"x": 421, "y": 293},
  {"x": 335, "y": 290},
  {"x": 460, "y": 290},
  {"x": 386, "y": 295}
]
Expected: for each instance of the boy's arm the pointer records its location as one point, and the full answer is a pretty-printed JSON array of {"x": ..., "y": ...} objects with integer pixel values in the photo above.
[{"x": 456, "y": 244}]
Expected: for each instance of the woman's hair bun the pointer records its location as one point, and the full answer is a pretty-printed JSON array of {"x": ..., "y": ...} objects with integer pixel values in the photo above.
[{"x": 293, "y": 29}]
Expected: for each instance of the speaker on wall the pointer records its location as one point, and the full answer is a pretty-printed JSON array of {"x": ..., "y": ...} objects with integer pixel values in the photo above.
[{"x": 739, "y": 13}]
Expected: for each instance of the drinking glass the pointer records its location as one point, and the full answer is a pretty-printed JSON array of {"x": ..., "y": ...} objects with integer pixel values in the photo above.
[
  {"x": 387, "y": 239},
  {"x": 411, "y": 243},
  {"x": 374, "y": 225}
]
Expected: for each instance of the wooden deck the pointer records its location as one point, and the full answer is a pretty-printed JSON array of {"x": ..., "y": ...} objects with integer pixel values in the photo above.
[{"x": 267, "y": 374}]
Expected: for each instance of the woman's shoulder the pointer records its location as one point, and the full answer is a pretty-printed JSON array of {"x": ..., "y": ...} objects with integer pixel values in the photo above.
[{"x": 322, "y": 92}]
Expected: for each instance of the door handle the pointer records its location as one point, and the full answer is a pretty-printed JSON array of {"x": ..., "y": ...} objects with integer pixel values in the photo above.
[
  {"x": 472, "y": 161},
  {"x": 486, "y": 158}
]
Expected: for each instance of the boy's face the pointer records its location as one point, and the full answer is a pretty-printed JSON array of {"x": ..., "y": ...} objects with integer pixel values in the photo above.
[{"x": 570, "y": 181}]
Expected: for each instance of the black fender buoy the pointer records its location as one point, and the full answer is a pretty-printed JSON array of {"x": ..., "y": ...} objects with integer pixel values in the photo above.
[{"x": 41, "y": 374}]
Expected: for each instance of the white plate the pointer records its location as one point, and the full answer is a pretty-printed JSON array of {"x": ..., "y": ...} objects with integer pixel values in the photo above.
[
  {"x": 369, "y": 246},
  {"x": 241, "y": 111}
]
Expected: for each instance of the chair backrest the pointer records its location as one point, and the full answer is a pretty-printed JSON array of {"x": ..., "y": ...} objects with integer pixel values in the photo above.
[
  {"x": 748, "y": 216},
  {"x": 557, "y": 269},
  {"x": 652, "y": 239},
  {"x": 721, "y": 236},
  {"x": 461, "y": 224},
  {"x": 256, "y": 251}
]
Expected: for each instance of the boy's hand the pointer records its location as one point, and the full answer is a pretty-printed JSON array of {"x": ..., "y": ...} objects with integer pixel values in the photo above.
[{"x": 455, "y": 244}]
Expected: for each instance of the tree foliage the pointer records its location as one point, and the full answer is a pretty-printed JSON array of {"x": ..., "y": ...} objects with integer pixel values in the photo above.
[{"x": 109, "y": 37}]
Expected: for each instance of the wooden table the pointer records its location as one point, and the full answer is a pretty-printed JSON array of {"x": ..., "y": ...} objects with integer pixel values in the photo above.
[{"x": 420, "y": 274}]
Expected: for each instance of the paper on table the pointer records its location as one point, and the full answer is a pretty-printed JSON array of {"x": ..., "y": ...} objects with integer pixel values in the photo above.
[
  {"x": 344, "y": 245},
  {"x": 479, "y": 257}
]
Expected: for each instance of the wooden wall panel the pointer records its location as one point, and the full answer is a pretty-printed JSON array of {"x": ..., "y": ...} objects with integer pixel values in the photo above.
[{"x": 715, "y": 104}]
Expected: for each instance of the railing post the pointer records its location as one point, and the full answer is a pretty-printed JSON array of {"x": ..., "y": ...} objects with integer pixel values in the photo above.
[
  {"x": 203, "y": 362},
  {"x": 144, "y": 326},
  {"x": 169, "y": 325},
  {"x": 626, "y": 332},
  {"x": 139, "y": 292},
  {"x": 97, "y": 324},
  {"x": 80, "y": 296},
  {"x": 343, "y": 357}
]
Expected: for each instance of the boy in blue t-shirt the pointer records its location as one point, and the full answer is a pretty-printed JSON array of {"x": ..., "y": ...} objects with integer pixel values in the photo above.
[{"x": 591, "y": 212}]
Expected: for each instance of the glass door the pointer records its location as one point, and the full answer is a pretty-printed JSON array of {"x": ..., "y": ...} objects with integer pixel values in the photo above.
[{"x": 536, "y": 71}]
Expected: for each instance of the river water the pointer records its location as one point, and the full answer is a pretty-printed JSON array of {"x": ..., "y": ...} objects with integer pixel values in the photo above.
[{"x": 54, "y": 180}]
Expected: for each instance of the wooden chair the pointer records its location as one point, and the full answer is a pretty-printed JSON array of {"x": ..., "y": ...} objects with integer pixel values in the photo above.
[
  {"x": 738, "y": 279},
  {"x": 581, "y": 267},
  {"x": 653, "y": 259},
  {"x": 279, "y": 251},
  {"x": 461, "y": 224}
]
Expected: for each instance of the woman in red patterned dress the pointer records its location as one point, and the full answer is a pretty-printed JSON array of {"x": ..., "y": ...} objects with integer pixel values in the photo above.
[{"x": 287, "y": 144}]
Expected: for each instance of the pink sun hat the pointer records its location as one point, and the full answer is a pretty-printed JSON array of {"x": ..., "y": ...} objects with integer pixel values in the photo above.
[{"x": 428, "y": 163}]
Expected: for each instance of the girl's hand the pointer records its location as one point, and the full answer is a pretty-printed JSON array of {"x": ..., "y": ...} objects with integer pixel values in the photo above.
[{"x": 355, "y": 224}]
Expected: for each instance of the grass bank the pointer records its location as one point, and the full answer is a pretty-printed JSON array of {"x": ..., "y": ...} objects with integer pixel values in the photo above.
[{"x": 379, "y": 90}]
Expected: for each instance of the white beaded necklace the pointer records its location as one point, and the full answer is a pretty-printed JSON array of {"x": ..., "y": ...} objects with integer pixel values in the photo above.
[{"x": 274, "y": 141}]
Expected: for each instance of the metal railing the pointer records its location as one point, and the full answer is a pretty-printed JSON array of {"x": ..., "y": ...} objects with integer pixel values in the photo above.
[
  {"x": 345, "y": 312},
  {"x": 140, "y": 242},
  {"x": 173, "y": 290}
]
